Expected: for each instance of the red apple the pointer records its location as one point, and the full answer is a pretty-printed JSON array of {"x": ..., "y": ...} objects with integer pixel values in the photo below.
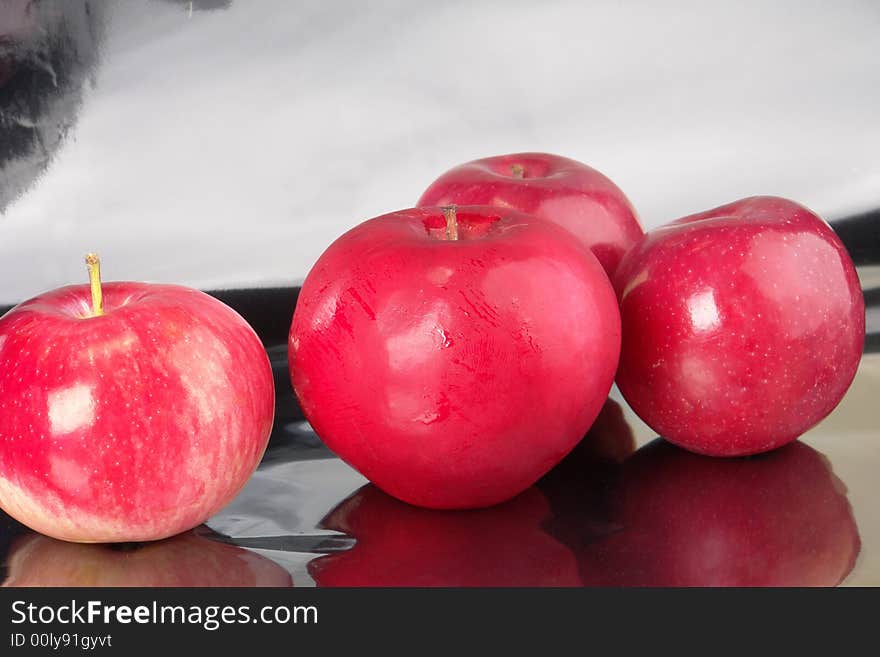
[
  {"x": 454, "y": 360},
  {"x": 185, "y": 560},
  {"x": 776, "y": 519},
  {"x": 130, "y": 422},
  {"x": 551, "y": 187},
  {"x": 402, "y": 545},
  {"x": 610, "y": 440},
  {"x": 583, "y": 476},
  {"x": 743, "y": 326},
  {"x": 578, "y": 488}
]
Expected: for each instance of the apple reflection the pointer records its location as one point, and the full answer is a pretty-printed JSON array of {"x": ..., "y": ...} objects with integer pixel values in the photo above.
[
  {"x": 607, "y": 444},
  {"x": 504, "y": 545},
  {"x": 580, "y": 488},
  {"x": 777, "y": 519},
  {"x": 402, "y": 545},
  {"x": 186, "y": 560},
  {"x": 662, "y": 517}
]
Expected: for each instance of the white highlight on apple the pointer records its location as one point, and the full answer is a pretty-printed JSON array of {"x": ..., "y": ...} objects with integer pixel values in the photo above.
[
  {"x": 703, "y": 311},
  {"x": 440, "y": 275},
  {"x": 68, "y": 474},
  {"x": 415, "y": 344},
  {"x": 71, "y": 408}
]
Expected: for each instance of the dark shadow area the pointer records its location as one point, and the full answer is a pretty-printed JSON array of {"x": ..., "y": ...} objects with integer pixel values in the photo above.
[
  {"x": 860, "y": 233},
  {"x": 48, "y": 52}
]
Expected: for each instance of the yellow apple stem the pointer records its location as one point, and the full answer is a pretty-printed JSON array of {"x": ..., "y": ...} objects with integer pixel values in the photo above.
[
  {"x": 517, "y": 170},
  {"x": 451, "y": 223},
  {"x": 94, "y": 265}
]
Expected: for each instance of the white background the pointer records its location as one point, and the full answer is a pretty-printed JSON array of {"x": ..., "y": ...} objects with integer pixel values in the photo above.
[{"x": 230, "y": 147}]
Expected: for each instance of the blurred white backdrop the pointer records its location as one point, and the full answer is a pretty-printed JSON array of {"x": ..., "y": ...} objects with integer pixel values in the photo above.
[{"x": 229, "y": 147}]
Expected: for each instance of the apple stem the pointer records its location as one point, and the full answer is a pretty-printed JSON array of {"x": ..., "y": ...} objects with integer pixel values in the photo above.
[
  {"x": 517, "y": 170},
  {"x": 451, "y": 223},
  {"x": 94, "y": 265}
]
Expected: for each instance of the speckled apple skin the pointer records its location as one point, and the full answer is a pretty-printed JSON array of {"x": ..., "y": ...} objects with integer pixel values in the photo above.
[
  {"x": 130, "y": 426},
  {"x": 453, "y": 374},
  {"x": 569, "y": 193},
  {"x": 743, "y": 326}
]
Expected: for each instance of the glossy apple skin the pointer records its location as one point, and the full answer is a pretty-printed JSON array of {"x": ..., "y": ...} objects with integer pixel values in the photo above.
[
  {"x": 134, "y": 425},
  {"x": 453, "y": 374},
  {"x": 185, "y": 560},
  {"x": 743, "y": 326},
  {"x": 402, "y": 545},
  {"x": 777, "y": 519},
  {"x": 555, "y": 188}
]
